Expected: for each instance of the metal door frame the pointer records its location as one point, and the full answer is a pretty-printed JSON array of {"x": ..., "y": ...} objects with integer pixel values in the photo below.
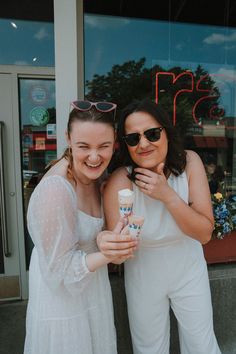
[{"x": 17, "y": 72}]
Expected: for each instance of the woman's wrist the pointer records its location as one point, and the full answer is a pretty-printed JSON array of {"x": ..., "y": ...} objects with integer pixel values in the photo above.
[
  {"x": 99, "y": 239},
  {"x": 171, "y": 200},
  {"x": 96, "y": 260}
]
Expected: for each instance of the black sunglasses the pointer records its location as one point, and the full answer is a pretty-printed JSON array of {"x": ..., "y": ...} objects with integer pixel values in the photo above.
[
  {"x": 100, "y": 106},
  {"x": 151, "y": 135}
]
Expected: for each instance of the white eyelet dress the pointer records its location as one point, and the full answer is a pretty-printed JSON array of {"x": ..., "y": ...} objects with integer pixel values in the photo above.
[
  {"x": 70, "y": 309},
  {"x": 169, "y": 269}
]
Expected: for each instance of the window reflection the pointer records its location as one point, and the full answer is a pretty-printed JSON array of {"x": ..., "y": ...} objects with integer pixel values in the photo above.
[
  {"x": 188, "y": 68},
  {"x": 26, "y": 43}
]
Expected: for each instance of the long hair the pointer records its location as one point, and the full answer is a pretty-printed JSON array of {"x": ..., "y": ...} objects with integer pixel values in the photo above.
[
  {"x": 176, "y": 156},
  {"x": 92, "y": 115}
]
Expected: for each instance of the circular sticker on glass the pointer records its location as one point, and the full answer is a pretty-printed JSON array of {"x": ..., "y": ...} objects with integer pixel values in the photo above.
[
  {"x": 38, "y": 94},
  {"x": 39, "y": 116}
]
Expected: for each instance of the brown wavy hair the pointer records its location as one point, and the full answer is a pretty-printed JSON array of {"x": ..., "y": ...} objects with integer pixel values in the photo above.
[{"x": 176, "y": 156}]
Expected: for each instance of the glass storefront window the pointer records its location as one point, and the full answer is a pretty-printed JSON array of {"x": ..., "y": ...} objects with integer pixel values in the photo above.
[
  {"x": 188, "y": 68},
  {"x": 26, "y": 43},
  {"x": 38, "y": 135}
]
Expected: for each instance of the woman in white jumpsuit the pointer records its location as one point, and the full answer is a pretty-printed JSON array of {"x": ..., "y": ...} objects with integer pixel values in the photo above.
[{"x": 168, "y": 270}]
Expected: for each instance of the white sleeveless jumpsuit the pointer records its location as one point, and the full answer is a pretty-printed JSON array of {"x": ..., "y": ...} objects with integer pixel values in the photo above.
[{"x": 169, "y": 269}]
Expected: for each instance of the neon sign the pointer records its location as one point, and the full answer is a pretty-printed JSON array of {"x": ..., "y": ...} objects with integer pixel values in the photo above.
[{"x": 215, "y": 112}]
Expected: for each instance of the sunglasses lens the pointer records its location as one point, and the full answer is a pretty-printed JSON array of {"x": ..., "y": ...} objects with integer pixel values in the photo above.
[
  {"x": 132, "y": 139},
  {"x": 153, "y": 134},
  {"x": 83, "y": 105},
  {"x": 105, "y": 106}
]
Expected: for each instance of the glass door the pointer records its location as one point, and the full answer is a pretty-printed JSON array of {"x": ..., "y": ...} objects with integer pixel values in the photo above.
[
  {"x": 38, "y": 137},
  {"x": 10, "y": 278},
  {"x": 27, "y": 145}
]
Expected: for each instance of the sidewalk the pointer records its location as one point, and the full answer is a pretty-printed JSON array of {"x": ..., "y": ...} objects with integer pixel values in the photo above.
[
  {"x": 12, "y": 323},
  {"x": 223, "y": 287},
  {"x": 12, "y": 327}
]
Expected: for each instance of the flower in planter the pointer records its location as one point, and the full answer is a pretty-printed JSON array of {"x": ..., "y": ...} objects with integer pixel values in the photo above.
[{"x": 224, "y": 214}]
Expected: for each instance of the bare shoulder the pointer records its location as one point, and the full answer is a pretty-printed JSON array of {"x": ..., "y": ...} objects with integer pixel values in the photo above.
[
  {"x": 194, "y": 165},
  {"x": 193, "y": 160},
  {"x": 60, "y": 169},
  {"x": 119, "y": 179},
  {"x": 192, "y": 156}
]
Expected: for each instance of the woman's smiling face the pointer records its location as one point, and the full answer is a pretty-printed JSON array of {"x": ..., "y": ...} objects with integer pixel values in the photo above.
[
  {"x": 92, "y": 146},
  {"x": 146, "y": 154}
]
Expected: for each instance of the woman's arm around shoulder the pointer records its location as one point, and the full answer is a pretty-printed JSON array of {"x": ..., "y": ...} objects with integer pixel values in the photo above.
[
  {"x": 116, "y": 246},
  {"x": 118, "y": 180}
]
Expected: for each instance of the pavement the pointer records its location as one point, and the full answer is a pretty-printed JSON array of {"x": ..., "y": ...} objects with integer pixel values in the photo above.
[
  {"x": 12, "y": 322},
  {"x": 12, "y": 319}
]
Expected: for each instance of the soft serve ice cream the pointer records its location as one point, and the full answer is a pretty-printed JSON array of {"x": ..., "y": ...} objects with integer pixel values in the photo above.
[{"x": 126, "y": 199}]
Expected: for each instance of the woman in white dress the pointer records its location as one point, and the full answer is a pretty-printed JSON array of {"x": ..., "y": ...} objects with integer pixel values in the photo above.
[
  {"x": 169, "y": 269},
  {"x": 70, "y": 305}
]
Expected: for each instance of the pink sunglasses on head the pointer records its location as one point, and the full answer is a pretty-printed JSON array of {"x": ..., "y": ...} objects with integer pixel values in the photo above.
[{"x": 100, "y": 106}]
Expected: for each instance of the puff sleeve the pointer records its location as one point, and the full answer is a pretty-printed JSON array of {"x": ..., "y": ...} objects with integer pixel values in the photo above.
[{"x": 52, "y": 223}]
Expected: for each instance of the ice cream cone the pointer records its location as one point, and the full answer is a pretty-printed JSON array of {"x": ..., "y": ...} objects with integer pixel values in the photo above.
[
  {"x": 135, "y": 224},
  {"x": 126, "y": 199}
]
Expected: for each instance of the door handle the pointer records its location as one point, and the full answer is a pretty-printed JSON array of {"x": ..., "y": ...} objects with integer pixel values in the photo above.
[{"x": 3, "y": 221}]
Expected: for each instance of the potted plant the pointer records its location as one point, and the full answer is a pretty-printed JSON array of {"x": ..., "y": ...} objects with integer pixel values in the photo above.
[{"x": 222, "y": 247}]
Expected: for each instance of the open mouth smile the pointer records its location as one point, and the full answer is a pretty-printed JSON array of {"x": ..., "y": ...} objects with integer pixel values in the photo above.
[{"x": 93, "y": 166}]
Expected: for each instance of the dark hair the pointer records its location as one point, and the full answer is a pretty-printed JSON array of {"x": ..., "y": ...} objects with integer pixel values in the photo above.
[
  {"x": 176, "y": 155},
  {"x": 217, "y": 177},
  {"x": 92, "y": 115},
  {"x": 209, "y": 159}
]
